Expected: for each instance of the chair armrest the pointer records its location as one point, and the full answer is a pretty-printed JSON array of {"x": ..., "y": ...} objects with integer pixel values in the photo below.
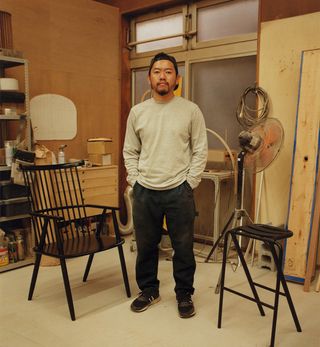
[
  {"x": 102, "y": 207},
  {"x": 46, "y": 216}
]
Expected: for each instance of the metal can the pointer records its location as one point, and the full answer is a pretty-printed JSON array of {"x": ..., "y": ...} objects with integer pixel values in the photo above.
[
  {"x": 20, "y": 248},
  {"x": 12, "y": 249}
]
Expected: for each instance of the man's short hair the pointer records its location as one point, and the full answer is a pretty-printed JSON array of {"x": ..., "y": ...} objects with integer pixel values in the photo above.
[{"x": 164, "y": 56}]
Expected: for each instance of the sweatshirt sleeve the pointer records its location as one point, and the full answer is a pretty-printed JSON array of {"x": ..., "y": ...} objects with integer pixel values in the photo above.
[
  {"x": 199, "y": 149},
  {"x": 131, "y": 150}
]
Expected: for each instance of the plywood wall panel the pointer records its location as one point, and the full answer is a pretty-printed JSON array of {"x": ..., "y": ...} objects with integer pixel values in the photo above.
[
  {"x": 302, "y": 193},
  {"x": 281, "y": 44}
]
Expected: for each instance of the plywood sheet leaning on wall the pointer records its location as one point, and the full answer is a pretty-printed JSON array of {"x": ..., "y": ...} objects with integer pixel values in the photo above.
[{"x": 305, "y": 162}]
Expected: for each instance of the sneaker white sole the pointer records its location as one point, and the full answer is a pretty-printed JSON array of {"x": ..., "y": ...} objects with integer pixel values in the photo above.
[
  {"x": 146, "y": 307},
  {"x": 187, "y": 316}
]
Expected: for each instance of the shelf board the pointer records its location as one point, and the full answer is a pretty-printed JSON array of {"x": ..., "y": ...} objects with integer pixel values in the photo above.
[
  {"x": 10, "y": 117},
  {"x": 6, "y": 61},
  {"x": 19, "y": 216},
  {"x": 14, "y": 200},
  {"x": 18, "y": 264}
]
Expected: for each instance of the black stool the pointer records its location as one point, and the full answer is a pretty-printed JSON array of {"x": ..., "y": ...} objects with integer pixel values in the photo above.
[{"x": 270, "y": 236}]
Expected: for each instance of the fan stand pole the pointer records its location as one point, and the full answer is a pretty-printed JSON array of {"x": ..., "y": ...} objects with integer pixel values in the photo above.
[
  {"x": 236, "y": 218},
  {"x": 252, "y": 243}
]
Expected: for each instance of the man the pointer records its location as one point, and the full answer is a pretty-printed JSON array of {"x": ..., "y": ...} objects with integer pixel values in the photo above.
[{"x": 165, "y": 152}]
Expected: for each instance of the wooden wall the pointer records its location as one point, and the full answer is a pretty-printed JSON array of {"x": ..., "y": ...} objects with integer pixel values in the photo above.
[
  {"x": 72, "y": 52},
  {"x": 281, "y": 44},
  {"x": 278, "y": 9},
  {"x": 139, "y": 6}
]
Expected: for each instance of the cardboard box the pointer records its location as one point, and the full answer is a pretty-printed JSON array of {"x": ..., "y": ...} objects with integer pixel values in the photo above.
[
  {"x": 99, "y": 147},
  {"x": 101, "y": 159}
]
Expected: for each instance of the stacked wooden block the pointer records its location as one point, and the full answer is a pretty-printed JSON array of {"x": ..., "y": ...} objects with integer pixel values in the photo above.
[{"x": 100, "y": 151}]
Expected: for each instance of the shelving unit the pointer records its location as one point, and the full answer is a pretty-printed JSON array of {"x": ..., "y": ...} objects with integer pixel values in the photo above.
[{"x": 14, "y": 217}]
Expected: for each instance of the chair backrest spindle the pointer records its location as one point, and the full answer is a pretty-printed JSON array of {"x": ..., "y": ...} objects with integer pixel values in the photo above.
[{"x": 55, "y": 190}]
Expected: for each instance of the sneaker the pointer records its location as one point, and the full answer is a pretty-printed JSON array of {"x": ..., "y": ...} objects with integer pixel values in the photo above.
[
  {"x": 185, "y": 305},
  {"x": 144, "y": 300}
]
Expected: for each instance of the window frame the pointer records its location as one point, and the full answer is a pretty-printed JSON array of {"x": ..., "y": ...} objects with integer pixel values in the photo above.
[
  {"x": 188, "y": 53},
  {"x": 219, "y": 42},
  {"x": 154, "y": 15}
]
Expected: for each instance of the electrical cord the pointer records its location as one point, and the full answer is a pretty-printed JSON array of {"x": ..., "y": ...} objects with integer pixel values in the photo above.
[{"x": 247, "y": 116}]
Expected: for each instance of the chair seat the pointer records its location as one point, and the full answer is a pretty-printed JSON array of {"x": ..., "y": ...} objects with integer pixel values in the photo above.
[
  {"x": 85, "y": 245},
  {"x": 263, "y": 232}
]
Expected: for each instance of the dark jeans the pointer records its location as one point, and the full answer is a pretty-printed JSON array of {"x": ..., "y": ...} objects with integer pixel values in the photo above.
[{"x": 149, "y": 208}]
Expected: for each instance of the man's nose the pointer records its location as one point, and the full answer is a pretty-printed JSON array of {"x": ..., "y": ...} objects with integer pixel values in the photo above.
[{"x": 162, "y": 75}]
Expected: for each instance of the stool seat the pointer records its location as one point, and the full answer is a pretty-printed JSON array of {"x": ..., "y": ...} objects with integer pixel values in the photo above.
[
  {"x": 263, "y": 232},
  {"x": 271, "y": 236}
]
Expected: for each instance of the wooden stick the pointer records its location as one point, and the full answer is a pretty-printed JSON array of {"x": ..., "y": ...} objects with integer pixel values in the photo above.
[
  {"x": 318, "y": 285},
  {"x": 314, "y": 239}
]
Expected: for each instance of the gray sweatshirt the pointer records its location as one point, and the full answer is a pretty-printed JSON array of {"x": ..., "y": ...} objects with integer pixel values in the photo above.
[{"x": 165, "y": 144}]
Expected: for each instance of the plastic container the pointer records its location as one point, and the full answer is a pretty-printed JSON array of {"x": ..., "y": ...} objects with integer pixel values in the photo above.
[
  {"x": 12, "y": 249},
  {"x": 4, "y": 255},
  {"x": 61, "y": 154},
  {"x": 8, "y": 146}
]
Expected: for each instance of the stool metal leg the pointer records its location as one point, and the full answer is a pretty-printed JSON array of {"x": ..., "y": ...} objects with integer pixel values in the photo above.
[
  {"x": 222, "y": 277},
  {"x": 276, "y": 298},
  {"x": 246, "y": 270},
  {"x": 278, "y": 262}
]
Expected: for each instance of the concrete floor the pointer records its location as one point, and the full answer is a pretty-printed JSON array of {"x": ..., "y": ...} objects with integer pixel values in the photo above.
[{"x": 104, "y": 317}]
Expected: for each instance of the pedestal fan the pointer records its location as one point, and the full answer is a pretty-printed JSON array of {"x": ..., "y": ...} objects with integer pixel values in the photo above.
[{"x": 260, "y": 145}]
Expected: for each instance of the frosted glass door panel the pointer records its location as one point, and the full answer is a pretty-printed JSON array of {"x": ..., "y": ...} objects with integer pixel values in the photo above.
[
  {"x": 157, "y": 28},
  {"x": 141, "y": 85},
  {"x": 217, "y": 87},
  {"x": 227, "y": 19}
]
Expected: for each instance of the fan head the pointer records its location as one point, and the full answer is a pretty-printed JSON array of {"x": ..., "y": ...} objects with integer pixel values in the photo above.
[{"x": 262, "y": 144}]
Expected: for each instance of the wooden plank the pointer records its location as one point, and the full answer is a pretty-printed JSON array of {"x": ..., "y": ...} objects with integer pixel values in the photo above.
[
  {"x": 306, "y": 149},
  {"x": 312, "y": 256},
  {"x": 279, "y": 74}
]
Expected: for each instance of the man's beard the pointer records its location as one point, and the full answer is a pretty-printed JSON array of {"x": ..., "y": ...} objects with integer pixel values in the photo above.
[{"x": 161, "y": 91}]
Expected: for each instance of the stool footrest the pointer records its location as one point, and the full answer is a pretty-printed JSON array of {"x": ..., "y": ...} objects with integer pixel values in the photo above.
[
  {"x": 248, "y": 297},
  {"x": 268, "y": 288}
]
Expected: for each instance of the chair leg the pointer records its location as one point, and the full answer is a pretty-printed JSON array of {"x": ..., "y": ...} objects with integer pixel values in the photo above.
[
  {"x": 86, "y": 272},
  {"x": 247, "y": 272},
  {"x": 124, "y": 271},
  {"x": 222, "y": 277},
  {"x": 34, "y": 275},
  {"x": 67, "y": 288},
  {"x": 278, "y": 262}
]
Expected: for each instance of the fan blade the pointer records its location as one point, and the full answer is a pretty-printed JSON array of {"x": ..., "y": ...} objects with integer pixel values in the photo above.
[{"x": 271, "y": 135}]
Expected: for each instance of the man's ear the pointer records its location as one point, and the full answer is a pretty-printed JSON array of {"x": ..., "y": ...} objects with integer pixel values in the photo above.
[{"x": 177, "y": 82}]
